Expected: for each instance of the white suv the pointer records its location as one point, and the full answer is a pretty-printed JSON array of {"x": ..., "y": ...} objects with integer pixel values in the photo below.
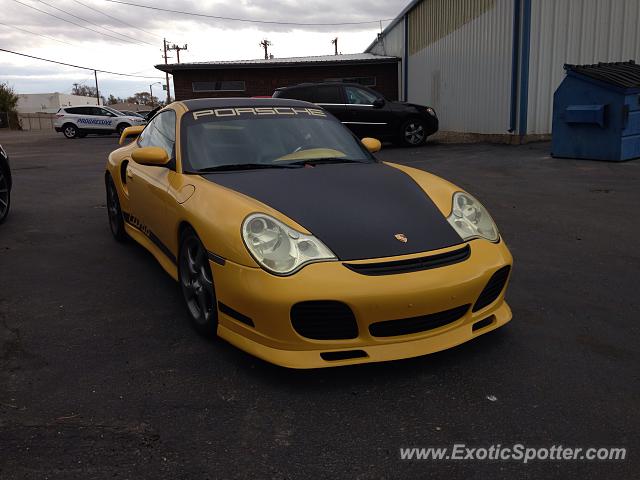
[{"x": 80, "y": 121}]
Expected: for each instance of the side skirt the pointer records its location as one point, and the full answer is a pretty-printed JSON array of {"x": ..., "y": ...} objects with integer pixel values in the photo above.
[{"x": 169, "y": 264}]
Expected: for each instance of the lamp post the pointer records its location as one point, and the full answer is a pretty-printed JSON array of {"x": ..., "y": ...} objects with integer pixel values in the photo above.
[{"x": 151, "y": 91}]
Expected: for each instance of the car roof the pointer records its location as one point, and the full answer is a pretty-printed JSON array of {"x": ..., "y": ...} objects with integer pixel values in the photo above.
[
  {"x": 316, "y": 84},
  {"x": 201, "y": 103}
]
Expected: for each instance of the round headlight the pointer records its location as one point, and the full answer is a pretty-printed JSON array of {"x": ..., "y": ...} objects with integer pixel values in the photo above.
[
  {"x": 281, "y": 249},
  {"x": 471, "y": 220}
]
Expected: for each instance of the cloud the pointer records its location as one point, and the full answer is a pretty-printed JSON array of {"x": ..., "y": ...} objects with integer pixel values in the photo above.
[{"x": 208, "y": 39}]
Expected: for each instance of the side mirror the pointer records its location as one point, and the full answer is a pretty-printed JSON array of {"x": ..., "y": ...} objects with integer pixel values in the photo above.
[
  {"x": 151, "y": 156},
  {"x": 130, "y": 132},
  {"x": 379, "y": 102},
  {"x": 372, "y": 144}
]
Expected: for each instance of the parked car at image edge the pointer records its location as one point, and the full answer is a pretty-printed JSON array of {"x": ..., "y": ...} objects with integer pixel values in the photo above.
[
  {"x": 132, "y": 113},
  {"x": 5, "y": 185},
  {"x": 366, "y": 112},
  {"x": 78, "y": 122},
  {"x": 290, "y": 240}
]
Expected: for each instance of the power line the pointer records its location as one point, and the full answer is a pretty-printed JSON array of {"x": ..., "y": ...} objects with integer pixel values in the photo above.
[
  {"x": 73, "y": 23},
  {"x": 76, "y": 66},
  {"x": 92, "y": 23},
  {"x": 273, "y": 22},
  {"x": 117, "y": 19},
  {"x": 34, "y": 33}
]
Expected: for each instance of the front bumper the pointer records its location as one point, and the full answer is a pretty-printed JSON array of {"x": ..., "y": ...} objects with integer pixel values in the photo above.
[{"x": 267, "y": 300}]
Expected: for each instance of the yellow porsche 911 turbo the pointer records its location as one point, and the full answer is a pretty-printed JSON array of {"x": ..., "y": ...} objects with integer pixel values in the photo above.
[{"x": 290, "y": 240}]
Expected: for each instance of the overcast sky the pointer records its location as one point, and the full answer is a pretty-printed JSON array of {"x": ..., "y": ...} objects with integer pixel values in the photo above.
[{"x": 207, "y": 39}]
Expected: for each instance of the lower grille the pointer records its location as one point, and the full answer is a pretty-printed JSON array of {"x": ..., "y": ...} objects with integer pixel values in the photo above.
[
  {"x": 494, "y": 287},
  {"x": 324, "y": 320},
  {"x": 406, "y": 326}
]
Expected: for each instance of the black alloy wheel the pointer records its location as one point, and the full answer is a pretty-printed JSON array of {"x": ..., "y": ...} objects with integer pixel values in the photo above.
[
  {"x": 413, "y": 132},
  {"x": 5, "y": 195},
  {"x": 116, "y": 221},
  {"x": 196, "y": 283}
]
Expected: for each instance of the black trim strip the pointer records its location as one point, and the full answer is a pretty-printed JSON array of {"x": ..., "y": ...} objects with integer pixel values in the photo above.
[
  {"x": 135, "y": 223},
  {"x": 216, "y": 258},
  {"x": 343, "y": 355},
  {"x": 227, "y": 310},
  {"x": 412, "y": 264},
  {"x": 163, "y": 247}
]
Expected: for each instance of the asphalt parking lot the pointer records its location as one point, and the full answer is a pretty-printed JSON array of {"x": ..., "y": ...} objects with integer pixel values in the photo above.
[{"x": 102, "y": 377}]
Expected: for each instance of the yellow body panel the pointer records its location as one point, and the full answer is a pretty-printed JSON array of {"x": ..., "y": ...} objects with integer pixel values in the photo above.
[{"x": 168, "y": 200}]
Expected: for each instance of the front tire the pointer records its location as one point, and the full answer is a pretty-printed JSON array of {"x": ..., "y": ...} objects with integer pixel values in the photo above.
[
  {"x": 70, "y": 130},
  {"x": 413, "y": 132},
  {"x": 116, "y": 221},
  {"x": 5, "y": 195},
  {"x": 196, "y": 283}
]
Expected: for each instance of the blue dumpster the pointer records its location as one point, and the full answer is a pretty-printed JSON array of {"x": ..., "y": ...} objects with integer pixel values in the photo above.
[{"x": 596, "y": 112}]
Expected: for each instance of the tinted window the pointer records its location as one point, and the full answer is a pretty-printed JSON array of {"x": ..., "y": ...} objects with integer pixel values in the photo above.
[
  {"x": 74, "y": 110},
  {"x": 160, "y": 132},
  {"x": 302, "y": 93},
  {"x": 359, "y": 96},
  {"x": 366, "y": 81},
  {"x": 327, "y": 94}
]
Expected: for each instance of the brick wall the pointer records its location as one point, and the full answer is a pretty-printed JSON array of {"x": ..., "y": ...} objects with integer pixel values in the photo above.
[{"x": 263, "y": 81}]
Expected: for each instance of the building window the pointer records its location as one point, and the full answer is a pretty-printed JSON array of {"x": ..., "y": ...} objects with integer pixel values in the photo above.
[
  {"x": 365, "y": 81},
  {"x": 220, "y": 86}
]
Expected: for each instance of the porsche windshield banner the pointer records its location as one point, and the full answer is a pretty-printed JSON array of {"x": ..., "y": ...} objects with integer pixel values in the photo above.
[{"x": 244, "y": 112}]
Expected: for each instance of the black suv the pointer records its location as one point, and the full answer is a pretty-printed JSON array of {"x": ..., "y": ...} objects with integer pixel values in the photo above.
[{"x": 366, "y": 112}]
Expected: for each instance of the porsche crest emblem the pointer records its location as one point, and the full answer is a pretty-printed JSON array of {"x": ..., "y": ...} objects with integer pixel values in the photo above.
[{"x": 401, "y": 237}]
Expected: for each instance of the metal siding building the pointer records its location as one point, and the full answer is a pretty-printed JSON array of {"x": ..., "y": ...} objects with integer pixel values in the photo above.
[
  {"x": 576, "y": 32},
  {"x": 491, "y": 66}
]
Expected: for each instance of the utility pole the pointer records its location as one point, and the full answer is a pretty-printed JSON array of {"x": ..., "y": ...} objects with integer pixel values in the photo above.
[
  {"x": 265, "y": 44},
  {"x": 335, "y": 43},
  {"x": 177, "y": 48},
  {"x": 151, "y": 91},
  {"x": 95, "y": 74},
  {"x": 164, "y": 47}
]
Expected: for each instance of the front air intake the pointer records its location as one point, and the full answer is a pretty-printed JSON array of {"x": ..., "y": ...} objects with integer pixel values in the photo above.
[
  {"x": 324, "y": 320},
  {"x": 492, "y": 290}
]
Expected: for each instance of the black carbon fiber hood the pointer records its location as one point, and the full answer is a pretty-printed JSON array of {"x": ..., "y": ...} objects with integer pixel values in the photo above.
[{"x": 355, "y": 209}]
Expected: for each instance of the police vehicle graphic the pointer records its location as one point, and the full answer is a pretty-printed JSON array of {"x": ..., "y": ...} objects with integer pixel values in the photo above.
[{"x": 78, "y": 122}]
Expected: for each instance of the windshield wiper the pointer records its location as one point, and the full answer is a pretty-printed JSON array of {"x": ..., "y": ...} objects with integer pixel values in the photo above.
[
  {"x": 319, "y": 161},
  {"x": 243, "y": 166}
]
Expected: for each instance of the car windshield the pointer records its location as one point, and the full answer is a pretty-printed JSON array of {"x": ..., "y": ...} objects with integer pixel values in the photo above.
[{"x": 265, "y": 137}]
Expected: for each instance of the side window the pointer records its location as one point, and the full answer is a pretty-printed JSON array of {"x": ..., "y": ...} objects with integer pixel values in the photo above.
[
  {"x": 80, "y": 110},
  {"x": 72, "y": 110},
  {"x": 99, "y": 112},
  {"x": 160, "y": 132},
  {"x": 304, "y": 93},
  {"x": 328, "y": 94},
  {"x": 105, "y": 113},
  {"x": 359, "y": 96}
]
